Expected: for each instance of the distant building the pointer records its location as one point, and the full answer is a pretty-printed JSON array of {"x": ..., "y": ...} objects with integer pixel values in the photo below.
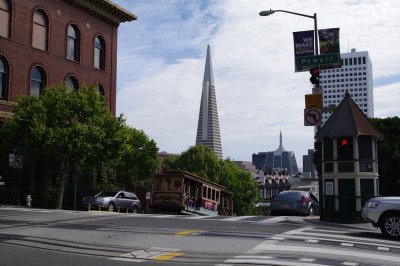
[
  {"x": 208, "y": 133},
  {"x": 248, "y": 166},
  {"x": 43, "y": 43},
  {"x": 355, "y": 76},
  {"x": 278, "y": 159},
  {"x": 271, "y": 183},
  {"x": 308, "y": 165}
]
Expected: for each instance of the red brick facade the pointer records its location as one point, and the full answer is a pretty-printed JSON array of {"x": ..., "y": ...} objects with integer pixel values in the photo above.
[{"x": 92, "y": 18}]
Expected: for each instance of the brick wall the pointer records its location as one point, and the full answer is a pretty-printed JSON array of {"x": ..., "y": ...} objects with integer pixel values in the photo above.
[{"x": 22, "y": 57}]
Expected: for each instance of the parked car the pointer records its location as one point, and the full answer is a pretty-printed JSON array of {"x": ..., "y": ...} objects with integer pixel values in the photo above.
[
  {"x": 112, "y": 200},
  {"x": 295, "y": 202},
  {"x": 384, "y": 212}
]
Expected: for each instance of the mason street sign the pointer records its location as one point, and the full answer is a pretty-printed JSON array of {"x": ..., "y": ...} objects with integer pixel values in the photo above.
[{"x": 315, "y": 60}]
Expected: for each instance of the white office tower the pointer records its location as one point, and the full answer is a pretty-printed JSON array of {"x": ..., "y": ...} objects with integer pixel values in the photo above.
[
  {"x": 355, "y": 76},
  {"x": 208, "y": 133}
]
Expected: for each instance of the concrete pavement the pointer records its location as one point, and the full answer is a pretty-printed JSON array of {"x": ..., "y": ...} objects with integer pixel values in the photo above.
[{"x": 360, "y": 226}]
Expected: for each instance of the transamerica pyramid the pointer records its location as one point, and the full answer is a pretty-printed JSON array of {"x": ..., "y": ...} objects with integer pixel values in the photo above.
[{"x": 208, "y": 127}]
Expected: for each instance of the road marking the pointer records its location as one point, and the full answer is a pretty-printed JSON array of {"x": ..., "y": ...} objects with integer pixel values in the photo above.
[
  {"x": 312, "y": 241},
  {"x": 280, "y": 238},
  {"x": 167, "y": 256},
  {"x": 274, "y": 220},
  {"x": 196, "y": 217},
  {"x": 186, "y": 232},
  {"x": 347, "y": 244},
  {"x": 350, "y": 263},
  {"x": 279, "y": 248},
  {"x": 383, "y": 248},
  {"x": 307, "y": 259},
  {"x": 237, "y": 218},
  {"x": 267, "y": 260},
  {"x": 153, "y": 253}
]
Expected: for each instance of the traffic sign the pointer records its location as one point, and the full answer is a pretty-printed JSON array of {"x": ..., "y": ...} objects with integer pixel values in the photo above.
[
  {"x": 18, "y": 161},
  {"x": 313, "y": 101},
  {"x": 329, "y": 188},
  {"x": 317, "y": 60},
  {"x": 312, "y": 117}
]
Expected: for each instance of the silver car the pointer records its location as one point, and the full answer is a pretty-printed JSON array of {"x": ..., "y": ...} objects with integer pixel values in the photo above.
[
  {"x": 384, "y": 212},
  {"x": 112, "y": 200},
  {"x": 296, "y": 202}
]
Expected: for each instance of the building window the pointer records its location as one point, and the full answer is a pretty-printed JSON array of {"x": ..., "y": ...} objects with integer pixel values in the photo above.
[
  {"x": 73, "y": 40},
  {"x": 3, "y": 78},
  {"x": 5, "y": 17},
  {"x": 40, "y": 30},
  {"x": 99, "y": 53},
  {"x": 101, "y": 90},
  {"x": 72, "y": 83},
  {"x": 38, "y": 80}
]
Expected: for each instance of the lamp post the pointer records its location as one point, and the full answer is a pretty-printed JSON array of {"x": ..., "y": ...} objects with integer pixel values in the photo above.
[{"x": 270, "y": 12}]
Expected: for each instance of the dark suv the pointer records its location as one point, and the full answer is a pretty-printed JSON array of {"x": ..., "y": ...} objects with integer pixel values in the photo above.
[{"x": 112, "y": 200}]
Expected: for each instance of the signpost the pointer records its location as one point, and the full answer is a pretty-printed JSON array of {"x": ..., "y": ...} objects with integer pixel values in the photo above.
[
  {"x": 312, "y": 117},
  {"x": 313, "y": 101}
]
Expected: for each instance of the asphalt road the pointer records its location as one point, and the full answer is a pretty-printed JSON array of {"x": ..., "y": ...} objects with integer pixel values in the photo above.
[{"x": 53, "y": 237}]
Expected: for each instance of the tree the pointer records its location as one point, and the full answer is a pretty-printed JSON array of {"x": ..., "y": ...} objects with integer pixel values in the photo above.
[
  {"x": 139, "y": 158},
  {"x": 67, "y": 131},
  {"x": 200, "y": 160},
  {"x": 389, "y": 155}
]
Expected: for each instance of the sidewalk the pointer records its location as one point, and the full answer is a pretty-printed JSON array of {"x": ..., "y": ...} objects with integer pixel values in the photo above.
[{"x": 359, "y": 226}]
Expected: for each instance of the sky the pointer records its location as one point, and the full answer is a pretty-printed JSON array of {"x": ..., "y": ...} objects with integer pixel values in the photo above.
[{"x": 161, "y": 60}]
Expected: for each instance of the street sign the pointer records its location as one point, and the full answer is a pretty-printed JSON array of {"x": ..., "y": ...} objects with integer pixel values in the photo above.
[
  {"x": 317, "y": 60},
  {"x": 1, "y": 183},
  {"x": 329, "y": 188},
  {"x": 313, "y": 101},
  {"x": 312, "y": 117},
  {"x": 147, "y": 195}
]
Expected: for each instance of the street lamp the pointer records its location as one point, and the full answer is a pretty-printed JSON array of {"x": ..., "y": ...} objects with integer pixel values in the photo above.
[{"x": 270, "y": 12}]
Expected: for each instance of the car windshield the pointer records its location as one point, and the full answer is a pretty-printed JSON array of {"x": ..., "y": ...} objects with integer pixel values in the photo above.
[
  {"x": 106, "y": 194},
  {"x": 289, "y": 196}
]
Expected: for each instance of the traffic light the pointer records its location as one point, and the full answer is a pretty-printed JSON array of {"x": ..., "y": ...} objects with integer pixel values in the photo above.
[
  {"x": 314, "y": 79},
  {"x": 345, "y": 148}
]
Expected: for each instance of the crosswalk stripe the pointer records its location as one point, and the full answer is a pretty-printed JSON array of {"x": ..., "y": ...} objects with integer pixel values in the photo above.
[
  {"x": 237, "y": 218},
  {"x": 276, "y": 219},
  {"x": 350, "y": 253},
  {"x": 268, "y": 260}
]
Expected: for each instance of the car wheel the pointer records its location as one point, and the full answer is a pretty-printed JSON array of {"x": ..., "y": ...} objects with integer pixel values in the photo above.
[
  {"x": 110, "y": 207},
  {"x": 134, "y": 209},
  {"x": 390, "y": 225}
]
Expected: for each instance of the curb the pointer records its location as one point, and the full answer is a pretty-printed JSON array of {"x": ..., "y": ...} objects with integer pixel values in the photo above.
[{"x": 359, "y": 226}]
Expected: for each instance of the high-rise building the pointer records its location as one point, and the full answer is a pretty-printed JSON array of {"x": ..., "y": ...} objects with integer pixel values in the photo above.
[
  {"x": 278, "y": 159},
  {"x": 308, "y": 165},
  {"x": 208, "y": 133},
  {"x": 355, "y": 76}
]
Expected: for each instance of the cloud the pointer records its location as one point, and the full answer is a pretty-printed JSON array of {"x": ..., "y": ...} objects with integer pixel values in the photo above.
[{"x": 161, "y": 61}]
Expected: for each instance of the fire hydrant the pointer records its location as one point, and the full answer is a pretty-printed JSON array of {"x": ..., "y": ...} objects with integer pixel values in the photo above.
[{"x": 28, "y": 200}]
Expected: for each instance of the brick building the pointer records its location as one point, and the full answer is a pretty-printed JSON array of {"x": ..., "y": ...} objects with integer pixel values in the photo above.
[{"x": 43, "y": 43}]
